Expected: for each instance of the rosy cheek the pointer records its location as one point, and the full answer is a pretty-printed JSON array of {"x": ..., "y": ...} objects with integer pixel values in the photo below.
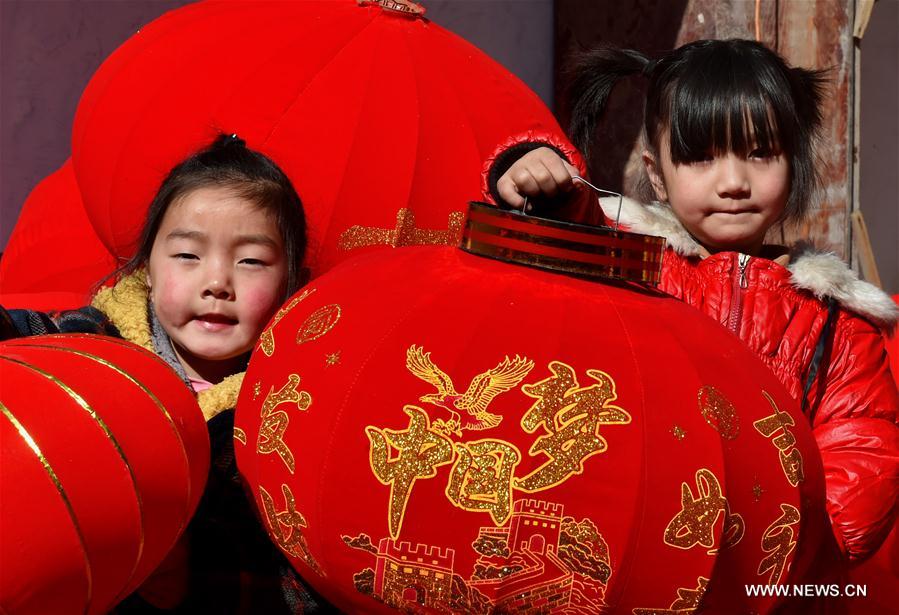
[
  {"x": 170, "y": 297},
  {"x": 260, "y": 304}
]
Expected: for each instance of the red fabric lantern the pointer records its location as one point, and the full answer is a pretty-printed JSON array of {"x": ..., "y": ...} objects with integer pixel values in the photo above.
[
  {"x": 105, "y": 455},
  {"x": 53, "y": 257},
  {"x": 435, "y": 431},
  {"x": 381, "y": 118}
]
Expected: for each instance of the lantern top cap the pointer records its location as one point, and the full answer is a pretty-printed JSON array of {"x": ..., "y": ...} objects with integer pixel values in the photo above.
[
  {"x": 595, "y": 252},
  {"x": 409, "y": 8}
]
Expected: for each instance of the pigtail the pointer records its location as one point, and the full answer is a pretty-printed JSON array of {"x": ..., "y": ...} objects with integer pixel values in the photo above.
[
  {"x": 808, "y": 91},
  {"x": 807, "y": 88},
  {"x": 594, "y": 74}
]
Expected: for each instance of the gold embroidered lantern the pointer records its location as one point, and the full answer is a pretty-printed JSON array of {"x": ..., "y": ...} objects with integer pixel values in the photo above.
[{"x": 431, "y": 430}]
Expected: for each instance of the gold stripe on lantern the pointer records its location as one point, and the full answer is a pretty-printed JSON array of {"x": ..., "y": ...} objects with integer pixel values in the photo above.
[
  {"x": 59, "y": 488},
  {"x": 102, "y": 424},
  {"x": 136, "y": 382}
]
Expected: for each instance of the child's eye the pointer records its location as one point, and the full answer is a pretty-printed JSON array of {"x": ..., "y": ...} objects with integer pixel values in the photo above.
[
  {"x": 185, "y": 256},
  {"x": 251, "y": 261},
  {"x": 761, "y": 153}
]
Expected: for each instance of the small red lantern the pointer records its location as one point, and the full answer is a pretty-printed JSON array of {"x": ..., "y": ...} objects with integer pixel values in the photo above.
[
  {"x": 105, "y": 455},
  {"x": 435, "y": 431}
]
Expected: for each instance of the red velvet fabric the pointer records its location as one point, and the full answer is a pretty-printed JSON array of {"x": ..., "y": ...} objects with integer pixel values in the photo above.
[
  {"x": 368, "y": 111},
  {"x": 342, "y": 434},
  {"x": 105, "y": 456}
]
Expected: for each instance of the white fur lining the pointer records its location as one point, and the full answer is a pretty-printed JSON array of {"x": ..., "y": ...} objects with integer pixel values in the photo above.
[{"x": 821, "y": 273}]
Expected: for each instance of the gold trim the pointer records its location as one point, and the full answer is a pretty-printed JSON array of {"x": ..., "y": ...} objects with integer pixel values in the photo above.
[
  {"x": 62, "y": 494},
  {"x": 112, "y": 439}
]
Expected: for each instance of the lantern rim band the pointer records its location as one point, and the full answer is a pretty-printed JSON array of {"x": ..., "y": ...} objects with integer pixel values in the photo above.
[{"x": 586, "y": 251}]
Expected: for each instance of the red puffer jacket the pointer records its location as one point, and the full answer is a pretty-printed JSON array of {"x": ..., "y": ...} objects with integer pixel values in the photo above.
[{"x": 780, "y": 313}]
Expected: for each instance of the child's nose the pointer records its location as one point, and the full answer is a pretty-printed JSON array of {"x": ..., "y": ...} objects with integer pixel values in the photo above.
[
  {"x": 733, "y": 179},
  {"x": 217, "y": 284}
]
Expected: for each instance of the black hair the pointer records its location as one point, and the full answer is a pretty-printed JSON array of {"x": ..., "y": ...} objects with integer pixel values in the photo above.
[
  {"x": 712, "y": 96},
  {"x": 228, "y": 162}
]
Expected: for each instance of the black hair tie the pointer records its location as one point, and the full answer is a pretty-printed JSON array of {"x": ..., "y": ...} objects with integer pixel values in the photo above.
[{"x": 649, "y": 67}]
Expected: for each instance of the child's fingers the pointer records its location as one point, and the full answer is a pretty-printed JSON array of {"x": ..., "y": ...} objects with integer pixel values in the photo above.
[
  {"x": 561, "y": 172},
  {"x": 508, "y": 191}
]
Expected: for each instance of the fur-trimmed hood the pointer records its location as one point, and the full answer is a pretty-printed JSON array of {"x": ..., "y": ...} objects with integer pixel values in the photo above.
[
  {"x": 823, "y": 274},
  {"x": 125, "y": 304}
]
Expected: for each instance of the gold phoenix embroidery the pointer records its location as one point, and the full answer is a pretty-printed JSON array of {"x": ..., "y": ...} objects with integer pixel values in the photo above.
[
  {"x": 790, "y": 457},
  {"x": 403, "y": 234},
  {"x": 287, "y": 527},
  {"x": 695, "y": 523},
  {"x": 319, "y": 322},
  {"x": 481, "y": 478},
  {"x": 719, "y": 412},
  {"x": 778, "y": 541},
  {"x": 274, "y": 424},
  {"x": 267, "y": 339},
  {"x": 687, "y": 601},
  {"x": 482, "y": 390},
  {"x": 421, "y": 450},
  {"x": 572, "y": 416}
]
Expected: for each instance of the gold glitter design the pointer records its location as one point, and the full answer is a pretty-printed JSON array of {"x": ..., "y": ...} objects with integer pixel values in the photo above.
[
  {"x": 778, "y": 541},
  {"x": 686, "y": 603},
  {"x": 319, "y": 322},
  {"x": 719, "y": 412},
  {"x": 240, "y": 435},
  {"x": 481, "y": 478},
  {"x": 557, "y": 562},
  {"x": 757, "y": 492},
  {"x": 332, "y": 359},
  {"x": 23, "y": 433},
  {"x": 572, "y": 416},
  {"x": 274, "y": 424},
  {"x": 403, "y": 234},
  {"x": 480, "y": 393},
  {"x": 790, "y": 457},
  {"x": 678, "y": 432},
  {"x": 267, "y": 339},
  {"x": 421, "y": 450},
  {"x": 286, "y": 527},
  {"x": 695, "y": 523},
  {"x": 257, "y": 389}
]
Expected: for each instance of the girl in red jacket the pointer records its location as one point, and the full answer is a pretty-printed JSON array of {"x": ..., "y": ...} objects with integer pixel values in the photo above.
[{"x": 728, "y": 136}]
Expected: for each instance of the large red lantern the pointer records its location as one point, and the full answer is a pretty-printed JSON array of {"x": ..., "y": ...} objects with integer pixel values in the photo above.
[
  {"x": 435, "y": 431},
  {"x": 53, "y": 257},
  {"x": 366, "y": 107},
  {"x": 105, "y": 455}
]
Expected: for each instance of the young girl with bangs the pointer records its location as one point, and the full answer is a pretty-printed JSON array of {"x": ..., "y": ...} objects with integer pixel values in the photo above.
[
  {"x": 728, "y": 148},
  {"x": 221, "y": 249}
]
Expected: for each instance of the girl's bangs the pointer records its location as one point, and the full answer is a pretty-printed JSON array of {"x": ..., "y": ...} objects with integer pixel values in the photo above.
[{"x": 712, "y": 114}]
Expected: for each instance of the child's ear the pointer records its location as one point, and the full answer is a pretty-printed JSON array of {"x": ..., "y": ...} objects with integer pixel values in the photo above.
[{"x": 654, "y": 171}]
